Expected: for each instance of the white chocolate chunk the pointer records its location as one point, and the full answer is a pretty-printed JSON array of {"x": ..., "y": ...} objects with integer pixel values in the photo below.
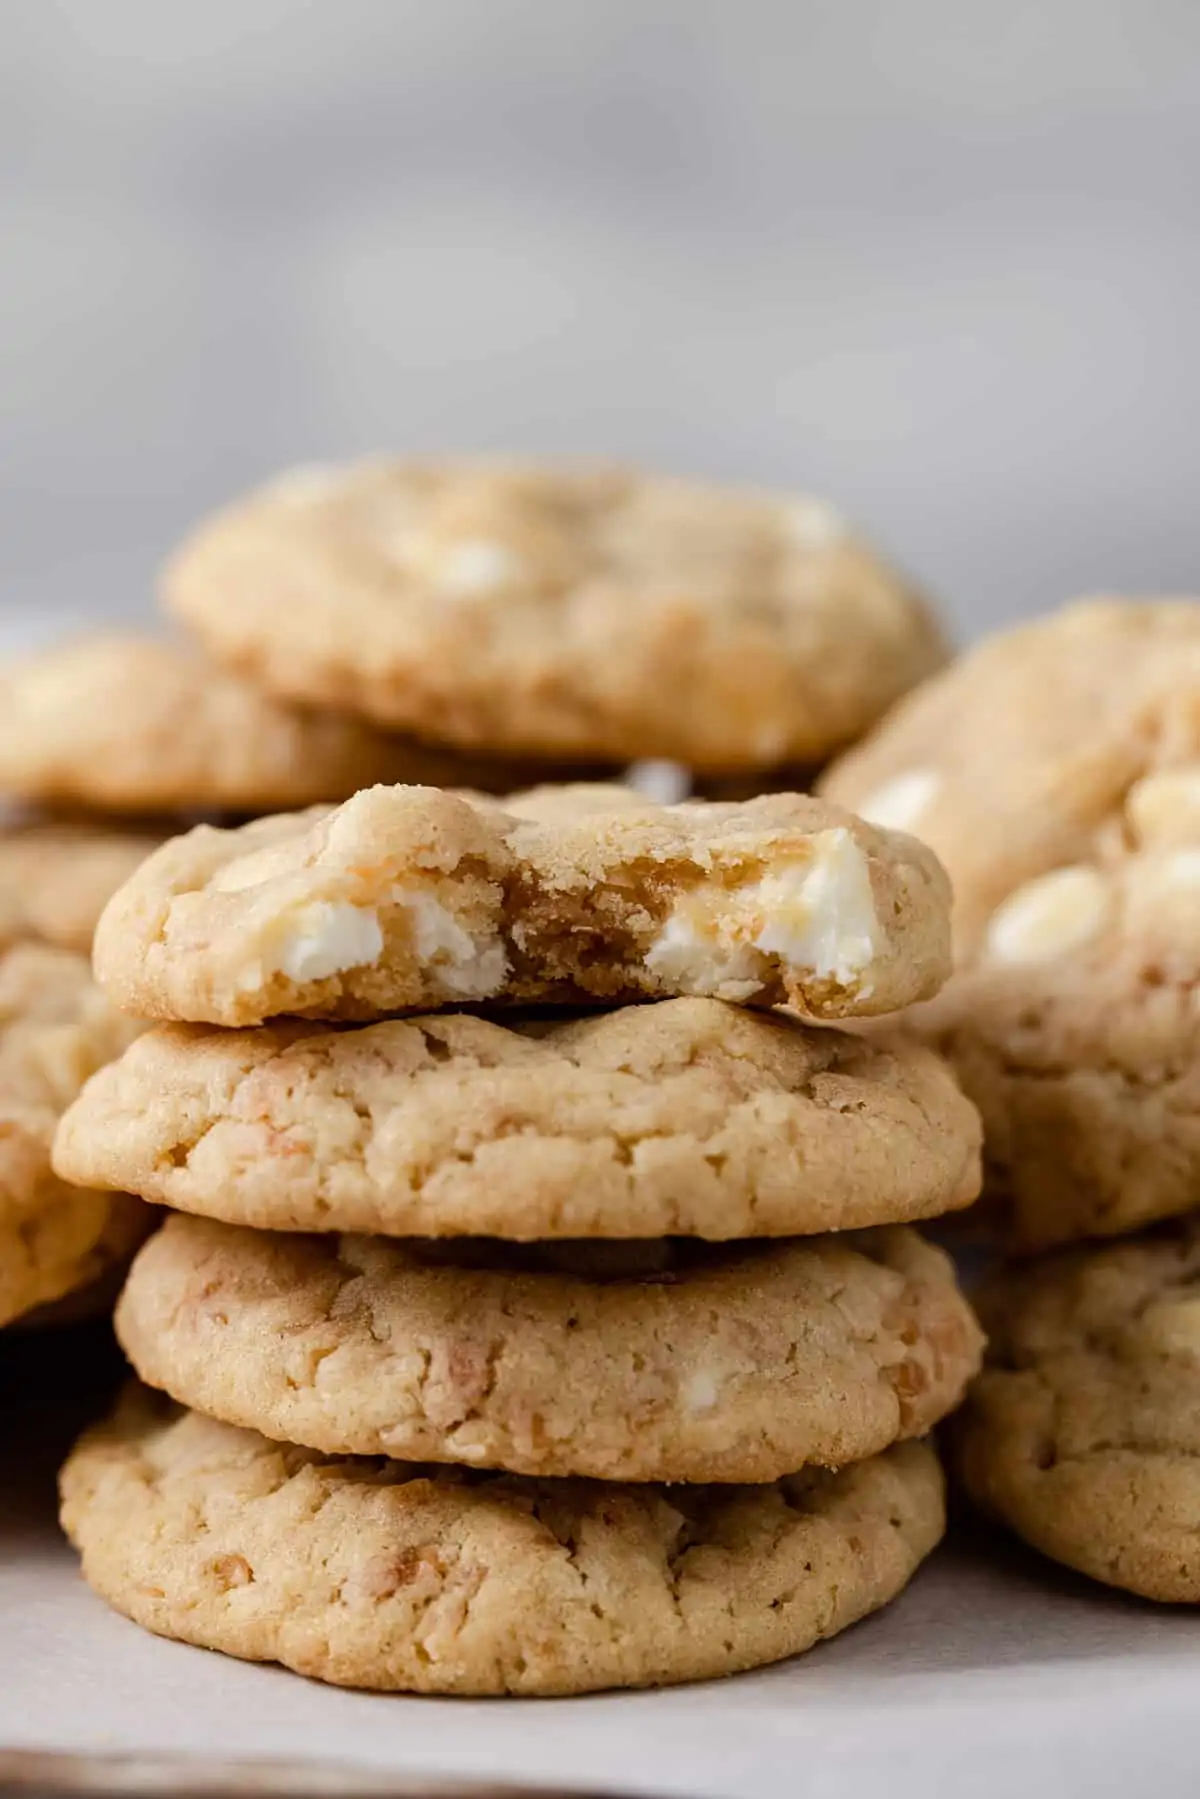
[
  {"x": 822, "y": 918},
  {"x": 475, "y": 566},
  {"x": 468, "y": 968},
  {"x": 665, "y": 783},
  {"x": 689, "y": 956},
  {"x": 306, "y": 482},
  {"x": 817, "y": 916},
  {"x": 1165, "y": 807},
  {"x": 327, "y": 938},
  {"x": 815, "y": 525},
  {"x": 699, "y": 1391},
  {"x": 1055, "y": 913},
  {"x": 1181, "y": 868},
  {"x": 899, "y": 804},
  {"x": 1162, "y": 907}
]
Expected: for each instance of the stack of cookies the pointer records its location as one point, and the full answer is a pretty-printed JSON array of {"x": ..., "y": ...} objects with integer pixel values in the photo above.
[
  {"x": 463, "y": 626},
  {"x": 525, "y": 1351},
  {"x": 1056, "y": 771}
]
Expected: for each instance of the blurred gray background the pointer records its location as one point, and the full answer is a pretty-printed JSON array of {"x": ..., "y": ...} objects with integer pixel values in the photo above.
[{"x": 936, "y": 259}]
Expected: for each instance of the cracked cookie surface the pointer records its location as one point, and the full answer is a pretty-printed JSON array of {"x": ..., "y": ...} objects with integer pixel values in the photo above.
[
  {"x": 56, "y": 879},
  {"x": 131, "y": 724},
  {"x": 676, "y": 1363},
  {"x": 406, "y": 898},
  {"x": 56, "y": 1028},
  {"x": 598, "y": 616},
  {"x": 686, "y": 1118},
  {"x": 381, "y": 1574},
  {"x": 1083, "y": 1432}
]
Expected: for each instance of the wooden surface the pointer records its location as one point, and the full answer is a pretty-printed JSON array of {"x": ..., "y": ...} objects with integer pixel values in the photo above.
[{"x": 36, "y": 1775}]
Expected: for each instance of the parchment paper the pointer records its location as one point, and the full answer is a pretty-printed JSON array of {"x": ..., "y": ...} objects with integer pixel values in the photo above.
[{"x": 996, "y": 1674}]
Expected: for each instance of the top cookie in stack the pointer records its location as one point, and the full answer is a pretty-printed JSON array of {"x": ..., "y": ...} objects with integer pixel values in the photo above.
[{"x": 405, "y": 898}]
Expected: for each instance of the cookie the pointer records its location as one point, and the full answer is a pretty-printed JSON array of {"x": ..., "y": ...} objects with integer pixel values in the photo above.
[
  {"x": 589, "y": 615},
  {"x": 56, "y": 1241},
  {"x": 97, "y": 1297},
  {"x": 55, "y": 1030},
  {"x": 688, "y": 1118},
  {"x": 56, "y": 1027},
  {"x": 1019, "y": 758},
  {"x": 406, "y": 898},
  {"x": 1058, "y": 773},
  {"x": 131, "y": 724},
  {"x": 739, "y": 1364},
  {"x": 57, "y": 878},
  {"x": 1083, "y": 1433},
  {"x": 1075, "y": 1030},
  {"x": 383, "y": 1574}
]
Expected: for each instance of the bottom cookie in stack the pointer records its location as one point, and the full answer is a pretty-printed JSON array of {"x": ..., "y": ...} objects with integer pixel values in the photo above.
[
  {"x": 377, "y": 1573},
  {"x": 530, "y": 1463},
  {"x": 1083, "y": 1432}
]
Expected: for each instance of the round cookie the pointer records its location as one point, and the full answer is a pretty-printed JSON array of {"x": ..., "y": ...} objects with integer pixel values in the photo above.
[
  {"x": 588, "y": 615},
  {"x": 381, "y": 1574},
  {"x": 1074, "y": 1028},
  {"x": 406, "y": 899},
  {"x": 57, "y": 878},
  {"x": 130, "y": 724},
  {"x": 1083, "y": 1432},
  {"x": 55, "y": 1029},
  {"x": 689, "y": 1118},
  {"x": 1018, "y": 758},
  {"x": 741, "y": 1364}
]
